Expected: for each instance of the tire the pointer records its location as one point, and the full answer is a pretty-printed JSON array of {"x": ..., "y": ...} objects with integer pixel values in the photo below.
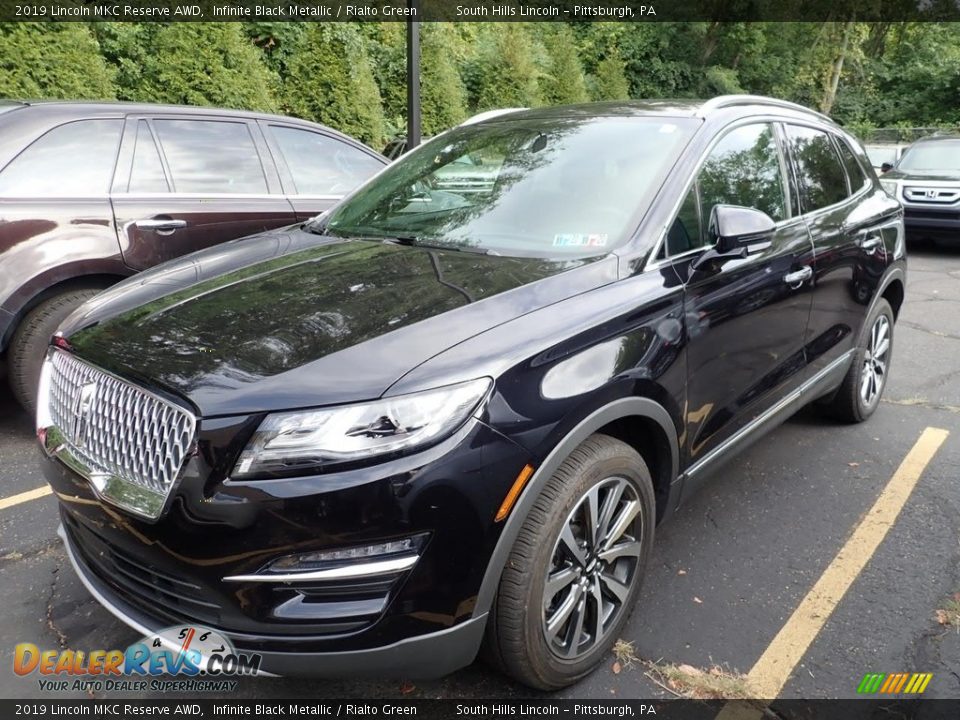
[
  {"x": 853, "y": 403},
  {"x": 31, "y": 338},
  {"x": 519, "y": 638}
]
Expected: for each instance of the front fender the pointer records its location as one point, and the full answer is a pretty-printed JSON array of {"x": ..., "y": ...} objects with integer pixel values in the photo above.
[{"x": 621, "y": 408}]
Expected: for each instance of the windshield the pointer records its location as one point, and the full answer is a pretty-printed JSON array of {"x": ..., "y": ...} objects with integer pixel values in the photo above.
[
  {"x": 941, "y": 156},
  {"x": 555, "y": 187}
]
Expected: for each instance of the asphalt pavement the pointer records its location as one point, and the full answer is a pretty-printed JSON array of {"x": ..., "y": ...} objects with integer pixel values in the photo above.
[{"x": 729, "y": 572}]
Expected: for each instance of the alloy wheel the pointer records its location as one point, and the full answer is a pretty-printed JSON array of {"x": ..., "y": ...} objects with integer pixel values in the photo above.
[
  {"x": 593, "y": 568},
  {"x": 874, "y": 372}
]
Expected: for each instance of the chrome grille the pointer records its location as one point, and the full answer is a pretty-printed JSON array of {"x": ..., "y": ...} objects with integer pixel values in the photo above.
[
  {"x": 116, "y": 428},
  {"x": 941, "y": 195}
]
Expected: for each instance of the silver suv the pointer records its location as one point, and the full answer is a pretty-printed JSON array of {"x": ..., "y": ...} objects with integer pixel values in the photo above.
[{"x": 927, "y": 182}]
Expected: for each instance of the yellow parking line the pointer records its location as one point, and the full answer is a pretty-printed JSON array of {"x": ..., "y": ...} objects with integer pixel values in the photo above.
[
  {"x": 24, "y": 497},
  {"x": 773, "y": 669}
]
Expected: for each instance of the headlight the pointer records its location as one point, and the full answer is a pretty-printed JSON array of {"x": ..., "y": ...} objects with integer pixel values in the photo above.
[
  {"x": 890, "y": 186},
  {"x": 301, "y": 442}
]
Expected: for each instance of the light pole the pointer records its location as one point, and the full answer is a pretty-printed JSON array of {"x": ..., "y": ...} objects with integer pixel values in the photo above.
[{"x": 413, "y": 75}]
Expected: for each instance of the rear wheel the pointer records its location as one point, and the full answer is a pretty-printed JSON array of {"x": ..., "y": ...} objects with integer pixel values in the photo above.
[
  {"x": 862, "y": 388},
  {"x": 576, "y": 567},
  {"x": 30, "y": 342}
]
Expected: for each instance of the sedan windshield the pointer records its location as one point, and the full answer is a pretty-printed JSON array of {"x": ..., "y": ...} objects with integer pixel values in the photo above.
[
  {"x": 941, "y": 156},
  {"x": 555, "y": 187}
]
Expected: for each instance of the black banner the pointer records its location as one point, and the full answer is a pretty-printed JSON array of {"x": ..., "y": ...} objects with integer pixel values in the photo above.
[
  {"x": 479, "y": 10},
  {"x": 892, "y": 709}
]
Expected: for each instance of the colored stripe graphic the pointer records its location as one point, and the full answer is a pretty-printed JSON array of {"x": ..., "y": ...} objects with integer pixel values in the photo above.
[{"x": 894, "y": 683}]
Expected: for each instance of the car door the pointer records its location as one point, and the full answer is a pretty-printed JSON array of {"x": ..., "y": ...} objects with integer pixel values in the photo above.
[
  {"x": 847, "y": 225},
  {"x": 745, "y": 317},
  {"x": 316, "y": 168},
  {"x": 187, "y": 182}
]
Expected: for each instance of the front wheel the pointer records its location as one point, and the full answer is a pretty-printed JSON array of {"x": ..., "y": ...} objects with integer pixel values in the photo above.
[
  {"x": 862, "y": 388},
  {"x": 576, "y": 567}
]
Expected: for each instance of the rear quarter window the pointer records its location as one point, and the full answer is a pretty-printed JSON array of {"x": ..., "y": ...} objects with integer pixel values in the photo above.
[{"x": 822, "y": 179}]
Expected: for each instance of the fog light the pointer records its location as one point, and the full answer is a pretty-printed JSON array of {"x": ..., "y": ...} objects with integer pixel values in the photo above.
[{"x": 324, "y": 558}]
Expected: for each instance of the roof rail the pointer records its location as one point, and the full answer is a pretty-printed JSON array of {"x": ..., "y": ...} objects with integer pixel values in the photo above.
[
  {"x": 723, "y": 101},
  {"x": 490, "y": 114},
  {"x": 8, "y": 105}
]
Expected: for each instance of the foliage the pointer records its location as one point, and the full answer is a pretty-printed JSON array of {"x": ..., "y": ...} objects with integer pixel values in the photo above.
[
  {"x": 188, "y": 63},
  {"x": 443, "y": 95},
  {"x": 563, "y": 81},
  {"x": 52, "y": 60},
  {"x": 330, "y": 80},
  {"x": 353, "y": 75},
  {"x": 509, "y": 76},
  {"x": 610, "y": 82}
]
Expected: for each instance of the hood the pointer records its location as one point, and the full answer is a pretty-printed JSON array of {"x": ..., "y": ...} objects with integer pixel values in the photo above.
[
  {"x": 291, "y": 319},
  {"x": 921, "y": 175}
]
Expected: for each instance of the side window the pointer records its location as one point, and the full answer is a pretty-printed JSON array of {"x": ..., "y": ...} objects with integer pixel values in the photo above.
[
  {"x": 146, "y": 173},
  {"x": 685, "y": 232},
  {"x": 744, "y": 169},
  {"x": 320, "y": 164},
  {"x": 211, "y": 156},
  {"x": 819, "y": 172},
  {"x": 850, "y": 163},
  {"x": 72, "y": 160}
]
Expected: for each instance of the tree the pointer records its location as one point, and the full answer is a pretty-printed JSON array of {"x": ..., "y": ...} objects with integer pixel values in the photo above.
[
  {"x": 386, "y": 48},
  {"x": 52, "y": 60},
  {"x": 330, "y": 80},
  {"x": 277, "y": 41},
  {"x": 190, "y": 63},
  {"x": 509, "y": 75},
  {"x": 443, "y": 96},
  {"x": 610, "y": 82},
  {"x": 563, "y": 81}
]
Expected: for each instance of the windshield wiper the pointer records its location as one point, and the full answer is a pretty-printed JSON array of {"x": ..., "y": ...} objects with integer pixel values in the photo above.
[
  {"x": 414, "y": 241},
  {"x": 361, "y": 233}
]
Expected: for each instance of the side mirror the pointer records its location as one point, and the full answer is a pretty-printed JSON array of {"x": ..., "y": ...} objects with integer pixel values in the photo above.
[
  {"x": 733, "y": 226},
  {"x": 730, "y": 230},
  {"x": 885, "y": 168}
]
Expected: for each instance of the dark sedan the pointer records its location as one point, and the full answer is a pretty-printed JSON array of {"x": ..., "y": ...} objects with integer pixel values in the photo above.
[{"x": 439, "y": 418}]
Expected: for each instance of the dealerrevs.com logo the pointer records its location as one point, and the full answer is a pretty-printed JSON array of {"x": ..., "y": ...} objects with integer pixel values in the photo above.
[{"x": 197, "y": 658}]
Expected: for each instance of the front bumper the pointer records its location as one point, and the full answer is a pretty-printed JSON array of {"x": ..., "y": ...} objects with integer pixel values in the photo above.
[
  {"x": 426, "y": 656},
  {"x": 421, "y": 622},
  {"x": 939, "y": 221}
]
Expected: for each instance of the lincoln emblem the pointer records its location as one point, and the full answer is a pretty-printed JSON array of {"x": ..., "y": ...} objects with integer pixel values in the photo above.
[{"x": 81, "y": 413}]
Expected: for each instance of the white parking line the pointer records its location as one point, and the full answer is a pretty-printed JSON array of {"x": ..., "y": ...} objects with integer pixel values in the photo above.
[{"x": 25, "y": 497}]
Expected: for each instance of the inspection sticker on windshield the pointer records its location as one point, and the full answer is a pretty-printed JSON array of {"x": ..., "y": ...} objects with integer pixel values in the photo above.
[{"x": 579, "y": 240}]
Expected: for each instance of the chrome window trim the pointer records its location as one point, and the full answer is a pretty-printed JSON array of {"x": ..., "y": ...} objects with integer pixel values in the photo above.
[
  {"x": 652, "y": 262},
  {"x": 837, "y": 205}
]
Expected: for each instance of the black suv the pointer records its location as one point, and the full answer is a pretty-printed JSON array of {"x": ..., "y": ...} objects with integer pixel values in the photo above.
[
  {"x": 432, "y": 419},
  {"x": 90, "y": 193}
]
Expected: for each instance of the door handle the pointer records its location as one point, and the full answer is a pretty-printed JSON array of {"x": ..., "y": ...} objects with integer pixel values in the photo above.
[
  {"x": 797, "y": 278},
  {"x": 164, "y": 226},
  {"x": 870, "y": 243}
]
